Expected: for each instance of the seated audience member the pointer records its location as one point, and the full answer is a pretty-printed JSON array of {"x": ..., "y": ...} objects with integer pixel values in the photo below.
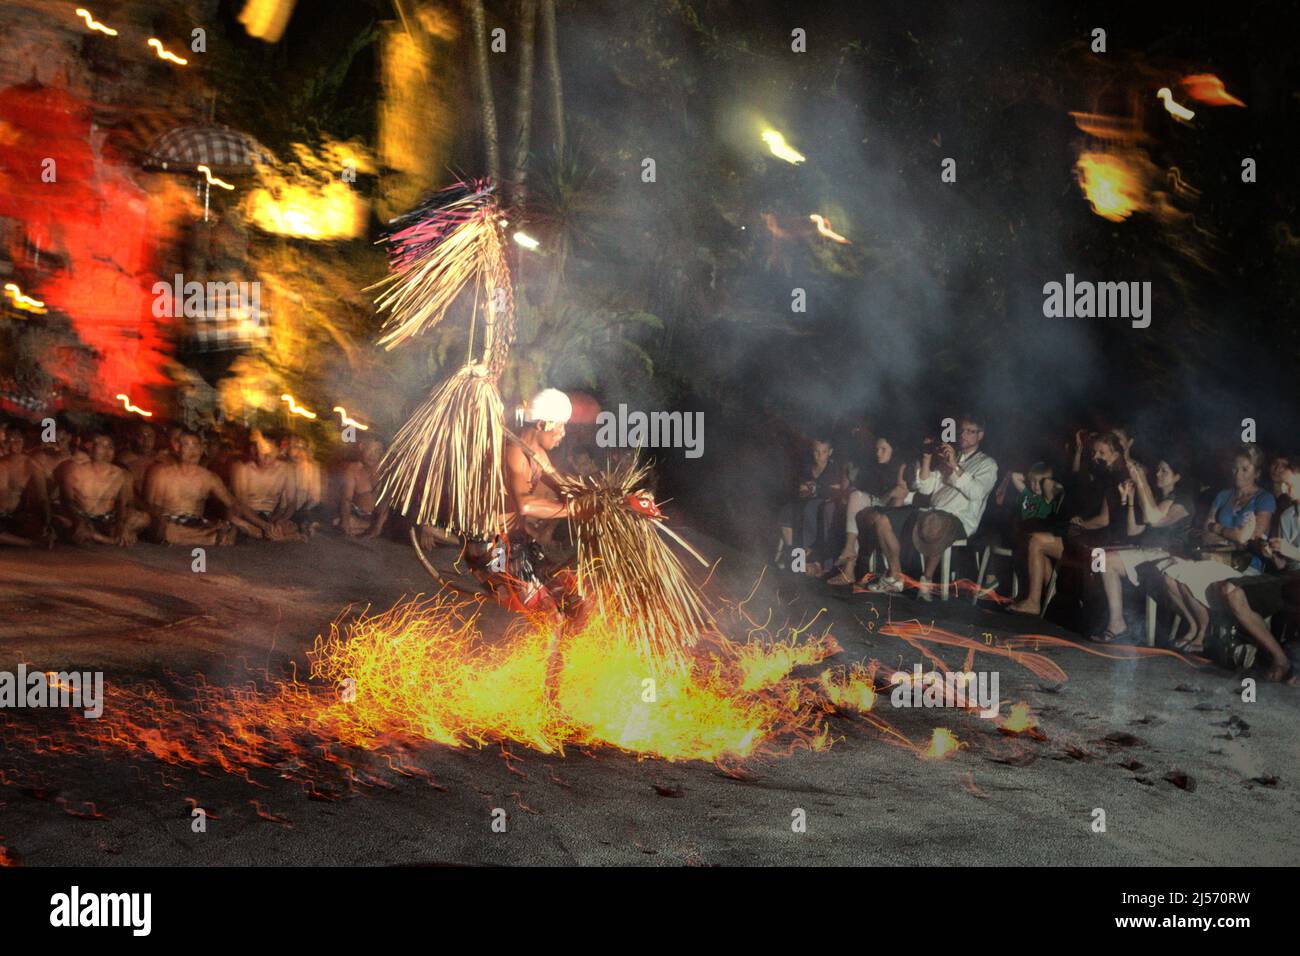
[
  {"x": 803, "y": 520},
  {"x": 360, "y": 515},
  {"x": 24, "y": 494},
  {"x": 1156, "y": 520},
  {"x": 875, "y": 481},
  {"x": 1240, "y": 517},
  {"x": 1094, "y": 495},
  {"x": 177, "y": 494},
  {"x": 953, "y": 488},
  {"x": 1127, "y": 436},
  {"x": 264, "y": 485},
  {"x": 1034, "y": 495},
  {"x": 1279, "y": 474},
  {"x": 169, "y": 453},
  {"x": 140, "y": 455},
  {"x": 1253, "y": 598},
  {"x": 1025, "y": 502},
  {"x": 48, "y": 456},
  {"x": 228, "y": 444},
  {"x": 308, "y": 485},
  {"x": 95, "y": 499}
]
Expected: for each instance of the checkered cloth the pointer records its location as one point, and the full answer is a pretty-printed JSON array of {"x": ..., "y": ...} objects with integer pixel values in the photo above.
[
  {"x": 213, "y": 332},
  {"x": 220, "y": 148}
]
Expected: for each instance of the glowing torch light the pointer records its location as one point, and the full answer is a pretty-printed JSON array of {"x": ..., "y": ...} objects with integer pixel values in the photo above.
[
  {"x": 780, "y": 149},
  {"x": 93, "y": 24},
  {"x": 135, "y": 409},
  {"x": 1175, "y": 110},
  {"x": 213, "y": 180},
  {"x": 527, "y": 241},
  {"x": 942, "y": 744},
  {"x": 22, "y": 302},
  {"x": 824, "y": 228},
  {"x": 1208, "y": 88},
  {"x": 345, "y": 420},
  {"x": 1110, "y": 187},
  {"x": 164, "y": 54},
  {"x": 295, "y": 408}
]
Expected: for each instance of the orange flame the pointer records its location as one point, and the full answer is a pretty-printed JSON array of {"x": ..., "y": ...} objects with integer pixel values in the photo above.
[
  {"x": 1111, "y": 187},
  {"x": 313, "y": 196},
  {"x": 1019, "y": 720},
  {"x": 1209, "y": 89},
  {"x": 942, "y": 744}
]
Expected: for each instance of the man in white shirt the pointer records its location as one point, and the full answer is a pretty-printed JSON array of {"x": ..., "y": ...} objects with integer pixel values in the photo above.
[{"x": 957, "y": 483}]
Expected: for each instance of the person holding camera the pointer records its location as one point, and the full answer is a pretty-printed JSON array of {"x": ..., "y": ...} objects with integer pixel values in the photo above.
[{"x": 947, "y": 499}]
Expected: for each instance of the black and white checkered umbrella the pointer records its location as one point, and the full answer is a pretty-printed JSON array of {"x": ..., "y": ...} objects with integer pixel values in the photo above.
[{"x": 225, "y": 151}]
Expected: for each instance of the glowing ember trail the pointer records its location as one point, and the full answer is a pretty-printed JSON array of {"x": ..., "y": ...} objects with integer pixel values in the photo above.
[
  {"x": 295, "y": 408},
  {"x": 93, "y": 24},
  {"x": 424, "y": 672},
  {"x": 212, "y": 180},
  {"x": 346, "y": 421},
  {"x": 136, "y": 409},
  {"x": 824, "y": 228},
  {"x": 1111, "y": 188},
  {"x": 1175, "y": 110},
  {"x": 22, "y": 302},
  {"x": 164, "y": 54}
]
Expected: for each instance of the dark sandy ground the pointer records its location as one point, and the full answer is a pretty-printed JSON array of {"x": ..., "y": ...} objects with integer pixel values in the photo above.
[{"x": 1122, "y": 736}]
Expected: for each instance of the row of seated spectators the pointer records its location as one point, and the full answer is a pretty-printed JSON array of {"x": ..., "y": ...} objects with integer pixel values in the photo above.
[
  {"x": 130, "y": 480},
  {"x": 1107, "y": 513},
  {"x": 114, "y": 486}
]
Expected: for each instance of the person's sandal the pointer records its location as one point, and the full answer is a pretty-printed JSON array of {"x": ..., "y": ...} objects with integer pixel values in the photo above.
[
  {"x": 841, "y": 578},
  {"x": 886, "y": 586}
]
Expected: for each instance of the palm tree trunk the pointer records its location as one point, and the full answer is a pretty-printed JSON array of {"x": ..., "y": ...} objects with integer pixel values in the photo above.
[
  {"x": 486, "y": 104},
  {"x": 524, "y": 114},
  {"x": 552, "y": 53}
]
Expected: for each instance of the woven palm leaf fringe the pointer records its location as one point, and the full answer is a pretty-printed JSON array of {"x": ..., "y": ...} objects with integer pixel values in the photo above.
[
  {"x": 450, "y": 241},
  {"x": 445, "y": 465},
  {"x": 631, "y": 573}
]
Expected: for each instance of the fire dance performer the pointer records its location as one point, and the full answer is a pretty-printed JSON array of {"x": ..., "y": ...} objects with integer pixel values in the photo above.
[
  {"x": 448, "y": 465},
  {"x": 512, "y": 565},
  {"x": 96, "y": 496}
]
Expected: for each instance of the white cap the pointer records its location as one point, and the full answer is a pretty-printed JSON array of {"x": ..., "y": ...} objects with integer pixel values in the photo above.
[{"x": 549, "y": 405}]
